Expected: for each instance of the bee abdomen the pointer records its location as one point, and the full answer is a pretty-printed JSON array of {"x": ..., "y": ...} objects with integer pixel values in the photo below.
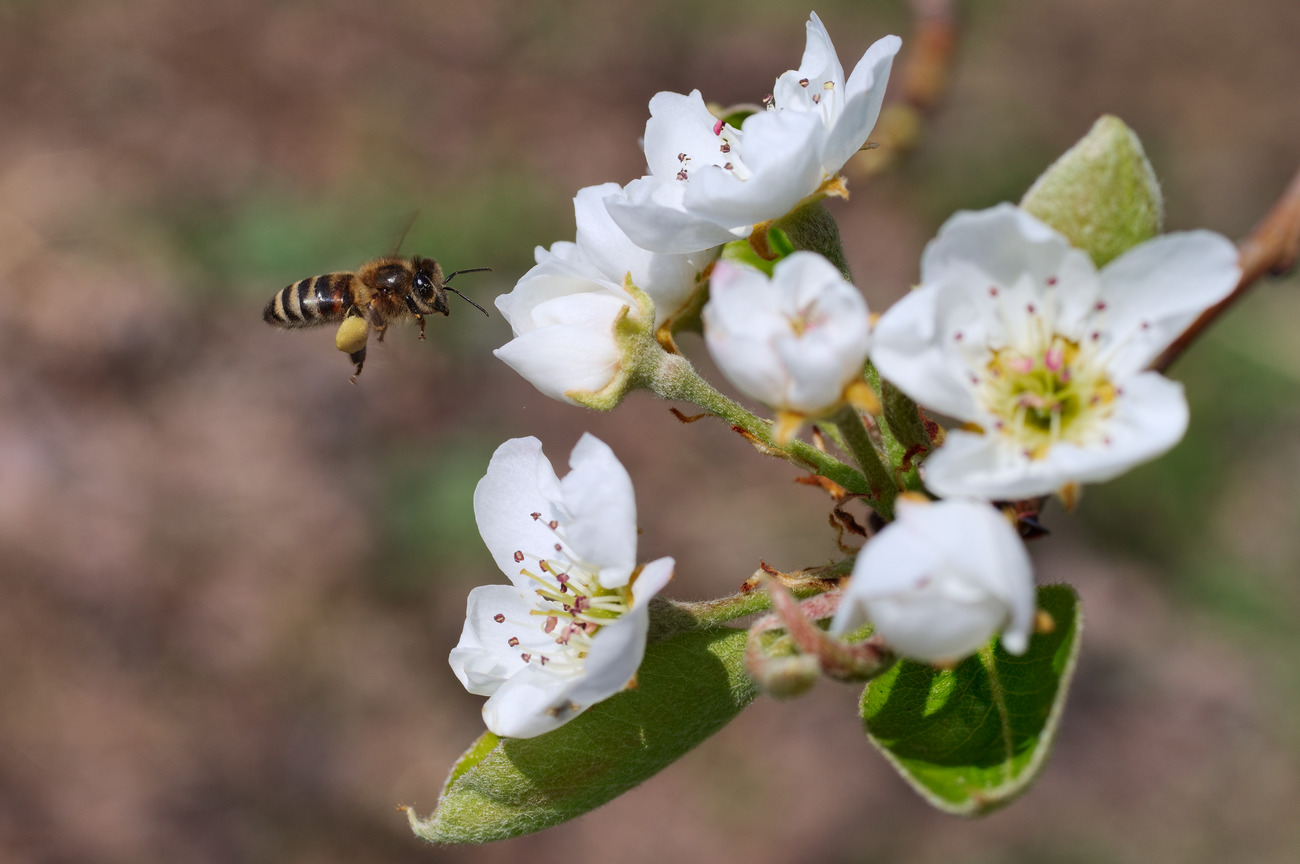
[{"x": 314, "y": 300}]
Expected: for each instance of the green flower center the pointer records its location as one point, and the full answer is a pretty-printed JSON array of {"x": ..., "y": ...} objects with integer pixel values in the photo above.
[{"x": 1045, "y": 397}]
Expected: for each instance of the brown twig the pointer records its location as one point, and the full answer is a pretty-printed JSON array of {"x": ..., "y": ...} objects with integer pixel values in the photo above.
[{"x": 1271, "y": 248}]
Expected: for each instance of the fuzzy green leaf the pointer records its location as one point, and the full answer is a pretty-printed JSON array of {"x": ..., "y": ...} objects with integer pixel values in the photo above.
[
  {"x": 1102, "y": 193},
  {"x": 689, "y": 686},
  {"x": 973, "y": 738}
]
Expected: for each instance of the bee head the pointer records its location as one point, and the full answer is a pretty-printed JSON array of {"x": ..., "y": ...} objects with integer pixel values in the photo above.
[{"x": 427, "y": 287}]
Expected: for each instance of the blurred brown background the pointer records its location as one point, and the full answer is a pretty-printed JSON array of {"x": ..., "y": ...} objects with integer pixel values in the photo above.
[{"x": 229, "y": 579}]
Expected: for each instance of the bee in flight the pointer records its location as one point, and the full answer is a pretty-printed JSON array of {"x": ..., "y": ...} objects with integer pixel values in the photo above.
[{"x": 383, "y": 290}]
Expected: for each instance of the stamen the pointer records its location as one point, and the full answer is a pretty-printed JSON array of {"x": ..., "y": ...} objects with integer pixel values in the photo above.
[
  {"x": 817, "y": 98},
  {"x": 519, "y": 557},
  {"x": 681, "y": 175},
  {"x": 717, "y": 127},
  {"x": 513, "y": 642},
  {"x": 803, "y": 82},
  {"x": 499, "y": 618},
  {"x": 1054, "y": 359}
]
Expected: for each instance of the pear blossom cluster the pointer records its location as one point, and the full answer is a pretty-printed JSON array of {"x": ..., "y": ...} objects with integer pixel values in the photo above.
[
  {"x": 1039, "y": 358},
  {"x": 643, "y": 251}
]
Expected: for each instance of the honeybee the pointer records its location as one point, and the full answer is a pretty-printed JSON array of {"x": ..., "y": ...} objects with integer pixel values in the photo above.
[{"x": 382, "y": 290}]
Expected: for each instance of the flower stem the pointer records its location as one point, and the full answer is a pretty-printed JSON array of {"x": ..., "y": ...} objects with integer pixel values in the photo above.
[
  {"x": 882, "y": 487},
  {"x": 676, "y": 378}
]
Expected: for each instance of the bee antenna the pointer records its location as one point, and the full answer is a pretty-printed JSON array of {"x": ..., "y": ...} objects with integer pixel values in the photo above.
[
  {"x": 463, "y": 297},
  {"x": 470, "y": 270},
  {"x": 410, "y": 220}
]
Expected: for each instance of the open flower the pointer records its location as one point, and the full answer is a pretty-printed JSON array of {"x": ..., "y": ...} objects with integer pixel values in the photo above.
[
  {"x": 795, "y": 342},
  {"x": 939, "y": 581},
  {"x": 573, "y": 316},
  {"x": 571, "y": 629},
  {"x": 710, "y": 183},
  {"x": 1044, "y": 358}
]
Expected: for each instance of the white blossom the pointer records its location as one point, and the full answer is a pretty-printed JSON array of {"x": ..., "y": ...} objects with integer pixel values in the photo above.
[
  {"x": 1042, "y": 357},
  {"x": 940, "y": 580},
  {"x": 710, "y": 183},
  {"x": 794, "y": 342},
  {"x": 564, "y": 310},
  {"x": 570, "y": 630}
]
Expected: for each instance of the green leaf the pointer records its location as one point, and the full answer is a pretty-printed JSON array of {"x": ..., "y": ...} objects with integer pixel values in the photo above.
[
  {"x": 973, "y": 738},
  {"x": 689, "y": 686},
  {"x": 741, "y": 252},
  {"x": 1102, "y": 193}
]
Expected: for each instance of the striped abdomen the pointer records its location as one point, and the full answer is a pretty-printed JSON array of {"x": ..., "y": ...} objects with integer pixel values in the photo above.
[{"x": 314, "y": 300}]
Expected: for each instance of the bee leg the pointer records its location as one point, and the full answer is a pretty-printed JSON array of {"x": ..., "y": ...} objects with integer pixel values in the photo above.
[
  {"x": 415, "y": 310},
  {"x": 377, "y": 321},
  {"x": 351, "y": 340},
  {"x": 359, "y": 358}
]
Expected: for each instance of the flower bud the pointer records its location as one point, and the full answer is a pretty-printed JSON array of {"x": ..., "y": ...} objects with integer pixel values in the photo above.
[
  {"x": 794, "y": 342},
  {"x": 940, "y": 581}
]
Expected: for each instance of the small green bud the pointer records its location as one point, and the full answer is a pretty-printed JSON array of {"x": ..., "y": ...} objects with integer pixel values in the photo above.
[{"x": 1102, "y": 193}]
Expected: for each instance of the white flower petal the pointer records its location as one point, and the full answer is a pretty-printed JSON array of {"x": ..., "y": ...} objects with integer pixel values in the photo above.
[
  {"x": 617, "y": 650},
  {"x": 519, "y": 482},
  {"x": 651, "y": 212},
  {"x": 907, "y": 351},
  {"x": 864, "y": 93},
  {"x": 532, "y": 702},
  {"x": 1006, "y": 243},
  {"x": 669, "y": 280},
  {"x": 783, "y": 154},
  {"x": 1150, "y": 417},
  {"x": 547, "y": 281},
  {"x": 681, "y": 125},
  {"x": 484, "y": 657},
  {"x": 1156, "y": 290},
  {"x": 563, "y": 359},
  {"x": 599, "y": 495}
]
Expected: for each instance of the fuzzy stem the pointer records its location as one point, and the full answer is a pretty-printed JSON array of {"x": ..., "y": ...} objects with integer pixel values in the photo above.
[
  {"x": 883, "y": 488},
  {"x": 676, "y": 378}
]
